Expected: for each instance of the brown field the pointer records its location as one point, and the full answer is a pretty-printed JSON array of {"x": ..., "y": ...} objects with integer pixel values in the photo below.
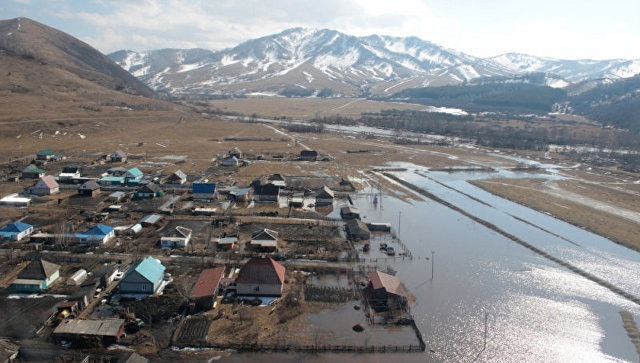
[
  {"x": 306, "y": 108},
  {"x": 534, "y": 194}
]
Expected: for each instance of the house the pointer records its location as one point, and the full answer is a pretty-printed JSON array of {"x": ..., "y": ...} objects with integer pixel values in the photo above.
[
  {"x": 133, "y": 357},
  {"x": 16, "y": 231},
  {"x": 118, "y": 157},
  {"x": 37, "y": 276},
  {"x": 148, "y": 191},
  {"x": 178, "y": 177},
  {"x": 111, "y": 180},
  {"x": 349, "y": 212},
  {"x": 45, "y": 154},
  {"x": 107, "y": 331},
  {"x": 97, "y": 235},
  {"x": 308, "y": 155},
  {"x": 177, "y": 238},
  {"x": 12, "y": 200},
  {"x": 242, "y": 195},
  {"x": 32, "y": 172},
  {"x": 204, "y": 191},
  {"x": 265, "y": 240},
  {"x": 117, "y": 171},
  {"x": 105, "y": 274},
  {"x": 261, "y": 276},
  {"x": 357, "y": 229},
  {"x": 133, "y": 176},
  {"x": 267, "y": 193},
  {"x": 324, "y": 196},
  {"x": 145, "y": 278},
  {"x": 69, "y": 174},
  {"x": 230, "y": 161},
  {"x": 8, "y": 350},
  {"x": 277, "y": 180},
  {"x": 385, "y": 291},
  {"x": 89, "y": 189},
  {"x": 47, "y": 185},
  {"x": 204, "y": 291}
]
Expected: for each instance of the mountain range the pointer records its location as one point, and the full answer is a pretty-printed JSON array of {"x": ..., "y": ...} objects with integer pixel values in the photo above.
[{"x": 306, "y": 62}]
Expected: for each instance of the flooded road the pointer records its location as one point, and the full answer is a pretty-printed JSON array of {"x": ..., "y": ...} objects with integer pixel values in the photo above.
[{"x": 535, "y": 309}]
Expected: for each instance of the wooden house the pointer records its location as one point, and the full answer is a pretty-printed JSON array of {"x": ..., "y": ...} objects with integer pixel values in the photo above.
[
  {"x": 204, "y": 291},
  {"x": 37, "y": 276},
  {"x": 145, "y": 278},
  {"x": 265, "y": 240},
  {"x": 118, "y": 157},
  {"x": 324, "y": 196},
  {"x": 261, "y": 276},
  {"x": 178, "y": 177},
  {"x": 32, "y": 172},
  {"x": 89, "y": 189},
  {"x": 308, "y": 155},
  {"x": 47, "y": 185}
]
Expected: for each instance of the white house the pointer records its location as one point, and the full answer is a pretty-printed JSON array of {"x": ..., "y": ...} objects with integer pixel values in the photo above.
[
  {"x": 16, "y": 231},
  {"x": 265, "y": 240},
  {"x": 178, "y": 238}
]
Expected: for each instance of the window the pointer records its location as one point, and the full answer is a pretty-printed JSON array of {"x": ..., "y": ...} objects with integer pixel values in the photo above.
[{"x": 256, "y": 289}]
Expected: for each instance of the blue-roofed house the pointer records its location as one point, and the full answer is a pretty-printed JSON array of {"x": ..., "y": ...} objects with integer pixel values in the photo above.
[
  {"x": 97, "y": 235},
  {"x": 133, "y": 176},
  {"x": 204, "y": 191},
  {"x": 145, "y": 278},
  {"x": 16, "y": 231}
]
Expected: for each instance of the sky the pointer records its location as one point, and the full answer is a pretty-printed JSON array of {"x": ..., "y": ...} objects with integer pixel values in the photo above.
[{"x": 567, "y": 29}]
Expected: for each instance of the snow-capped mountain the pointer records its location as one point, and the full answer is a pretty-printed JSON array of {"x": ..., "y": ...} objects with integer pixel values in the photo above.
[{"x": 310, "y": 60}]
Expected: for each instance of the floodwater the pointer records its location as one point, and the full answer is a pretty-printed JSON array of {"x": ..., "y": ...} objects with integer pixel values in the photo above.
[{"x": 535, "y": 310}]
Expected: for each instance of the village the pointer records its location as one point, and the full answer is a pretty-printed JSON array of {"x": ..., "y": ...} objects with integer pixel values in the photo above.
[{"x": 117, "y": 257}]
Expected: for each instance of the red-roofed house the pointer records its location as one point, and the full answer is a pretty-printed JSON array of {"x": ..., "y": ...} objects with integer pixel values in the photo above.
[
  {"x": 47, "y": 185},
  {"x": 261, "y": 276},
  {"x": 204, "y": 292}
]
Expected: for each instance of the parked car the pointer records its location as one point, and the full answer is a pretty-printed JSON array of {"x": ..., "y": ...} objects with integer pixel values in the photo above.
[{"x": 391, "y": 251}]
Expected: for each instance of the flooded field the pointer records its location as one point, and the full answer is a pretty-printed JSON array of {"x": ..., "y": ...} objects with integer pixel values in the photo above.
[{"x": 534, "y": 309}]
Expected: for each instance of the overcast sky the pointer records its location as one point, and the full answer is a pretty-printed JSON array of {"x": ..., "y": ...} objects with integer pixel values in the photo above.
[{"x": 570, "y": 29}]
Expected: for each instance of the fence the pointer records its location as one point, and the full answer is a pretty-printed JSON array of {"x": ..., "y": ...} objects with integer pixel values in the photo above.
[{"x": 315, "y": 348}]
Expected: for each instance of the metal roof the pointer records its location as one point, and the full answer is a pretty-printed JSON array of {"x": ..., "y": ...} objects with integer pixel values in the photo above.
[
  {"x": 105, "y": 327},
  {"x": 391, "y": 284},
  {"x": 151, "y": 219},
  {"x": 90, "y": 185},
  {"x": 133, "y": 173},
  {"x": 46, "y": 152},
  {"x": 47, "y": 181},
  {"x": 32, "y": 168},
  {"x": 261, "y": 270},
  {"x": 150, "y": 268},
  {"x": 208, "y": 188},
  {"x": 16, "y": 227},
  {"x": 207, "y": 283},
  {"x": 38, "y": 270},
  {"x": 99, "y": 230}
]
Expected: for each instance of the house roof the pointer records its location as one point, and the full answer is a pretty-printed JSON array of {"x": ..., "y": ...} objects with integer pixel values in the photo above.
[
  {"x": 105, "y": 270},
  {"x": 104, "y": 327},
  {"x": 110, "y": 178},
  {"x": 261, "y": 270},
  {"x": 267, "y": 189},
  {"x": 150, "y": 268},
  {"x": 16, "y": 227},
  {"x": 356, "y": 226},
  {"x": 119, "y": 154},
  {"x": 116, "y": 194},
  {"x": 349, "y": 209},
  {"x": 32, "y": 168},
  {"x": 133, "y": 358},
  {"x": 241, "y": 191},
  {"x": 151, "y": 219},
  {"x": 38, "y": 270},
  {"x": 276, "y": 177},
  {"x": 265, "y": 233},
  {"x": 324, "y": 191},
  {"x": 70, "y": 169},
  {"x": 205, "y": 188},
  {"x": 391, "y": 284},
  {"x": 231, "y": 159},
  {"x": 133, "y": 173},
  {"x": 207, "y": 282},
  {"x": 180, "y": 174},
  {"x": 99, "y": 230},
  {"x": 46, "y": 152},
  {"x": 117, "y": 169},
  {"x": 179, "y": 231},
  {"x": 90, "y": 185},
  {"x": 49, "y": 181},
  {"x": 309, "y": 153},
  {"x": 150, "y": 187}
]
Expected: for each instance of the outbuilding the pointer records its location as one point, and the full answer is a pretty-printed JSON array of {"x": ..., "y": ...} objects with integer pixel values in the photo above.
[
  {"x": 349, "y": 212},
  {"x": 385, "y": 291},
  {"x": 89, "y": 189},
  {"x": 204, "y": 292},
  {"x": 308, "y": 155},
  {"x": 357, "y": 230},
  {"x": 118, "y": 157},
  {"x": 78, "y": 331}
]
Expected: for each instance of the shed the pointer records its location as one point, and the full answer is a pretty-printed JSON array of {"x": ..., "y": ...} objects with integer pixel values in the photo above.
[
  {"x": 278, "y": 180},
  {"x": 77, "y": 278},
  {"x": 261, "y": 276},
  {"x": 324, "y": 196},
  {"x": 117, "y": 171},
  {"x": 242, "y": 195},
  {"x": 13, "y": 200},
  {"x": 108, "y": 331},
  {"x": 308, "y": 155},
  {"x": 178, "y": 177},
  {"x": 297, "y": 200},
  {"x": 69, "y": 173},
  {"x": 204, "y": 291},
  {"x": 357, "y": 229},
  {"x": 106, "y": 274},
  {"x": 32, "y": 172},
  {"x": 145, "y": 278},
  {"x": 150, "y": 220},
  {"x": 37, "y": 276},
  {"x": 349, "y": 212},
  {"x": 16, "y": 231},
  {"x": 118, "y": 157},
  {"x": 90, "y": 188},
  {"x": 385, "y": 291},
  {"x": 265, "y": 240},
  {"x": 227, "y": 243}
]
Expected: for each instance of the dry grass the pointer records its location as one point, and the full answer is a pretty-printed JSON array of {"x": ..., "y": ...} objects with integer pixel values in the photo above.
[{"x": 530, "y": 192}]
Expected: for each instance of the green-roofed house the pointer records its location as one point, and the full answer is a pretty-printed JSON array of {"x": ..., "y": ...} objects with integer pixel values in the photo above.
[
  {"x": 32, "y": 172},
  {"x": 145, "y": 278},
  {"x": 45, "y": 154},
  {"x": 111, "y": 180},
  {"x": 133, "y": 176}
]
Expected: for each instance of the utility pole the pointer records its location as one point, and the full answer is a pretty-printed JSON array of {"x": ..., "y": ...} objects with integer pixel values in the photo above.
[
  {"x": 399, "y": 216},
  {"x": 432, "y": 261}
]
